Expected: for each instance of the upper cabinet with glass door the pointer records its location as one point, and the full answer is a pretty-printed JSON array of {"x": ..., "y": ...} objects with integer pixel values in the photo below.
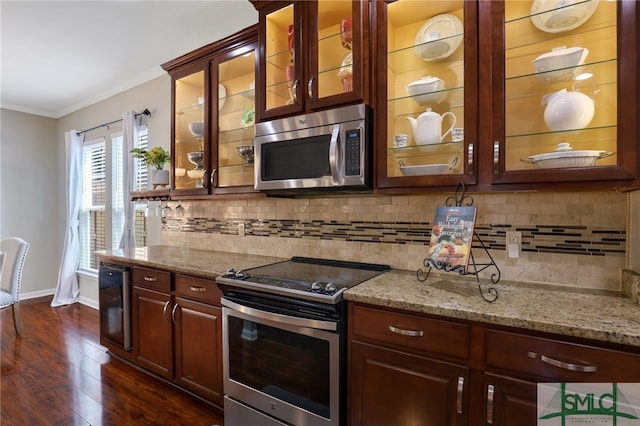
[
  {"x": 235, "y": 74},
  {"x": 426, "y": 112},
  {"x": 314, "y": 55},
  {"x": 190, "y": 147},
  {"x": 569, "y": 95}
]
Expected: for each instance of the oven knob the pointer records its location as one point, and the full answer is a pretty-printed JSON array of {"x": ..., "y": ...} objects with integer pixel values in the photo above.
[
  {"x": 240, "y": 275},
  {"x": 316, "y": 286},
  {"x": 230, "y": 273},
  {"x": 330, "y": 288}
]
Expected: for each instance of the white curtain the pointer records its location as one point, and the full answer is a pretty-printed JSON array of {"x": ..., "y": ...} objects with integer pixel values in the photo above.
[
  {"x": 130, "y": 137},
  {"x": 67, "y": 289}
]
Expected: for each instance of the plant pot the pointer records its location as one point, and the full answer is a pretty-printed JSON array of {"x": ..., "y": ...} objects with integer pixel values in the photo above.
[{"x": 159, "y": 178}]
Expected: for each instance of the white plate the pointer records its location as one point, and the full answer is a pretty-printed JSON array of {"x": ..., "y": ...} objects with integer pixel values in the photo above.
[
  {"x": 555, "y": 16},
  {"x": 577, "y": 158},
  {"x": 450, "y": 31},
  {"x": 222, "y": 96},
  {"x": 426, "y": 169}
]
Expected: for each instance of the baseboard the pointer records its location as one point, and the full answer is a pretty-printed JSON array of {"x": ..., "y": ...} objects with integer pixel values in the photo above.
[
  {"x": 36, "y": 294},
  {"x": 88, "y": 302}
]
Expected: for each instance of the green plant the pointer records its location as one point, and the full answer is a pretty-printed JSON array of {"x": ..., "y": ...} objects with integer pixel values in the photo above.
[{"x": 156, "y": 157}]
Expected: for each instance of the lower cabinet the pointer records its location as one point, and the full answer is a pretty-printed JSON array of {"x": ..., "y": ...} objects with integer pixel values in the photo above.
[
  {"x": 409, "y": 368},
  {"x": 396, "y": 388},
  {"x": 177, "y": 330}
]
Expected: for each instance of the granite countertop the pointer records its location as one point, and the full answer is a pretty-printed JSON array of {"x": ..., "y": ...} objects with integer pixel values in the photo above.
[
  {"x": 598, "y": 315},
  {"x": 591, "y": 314},
  {"x": 197, "y": 262}
]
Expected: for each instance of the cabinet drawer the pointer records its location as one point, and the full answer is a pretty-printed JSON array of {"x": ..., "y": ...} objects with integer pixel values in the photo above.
[
  {"x": 200, "y": 289},
  {"x": 558, "y": 360},
  {"x": 410, "y": 332},
  {"x": 152, "y": 279}
]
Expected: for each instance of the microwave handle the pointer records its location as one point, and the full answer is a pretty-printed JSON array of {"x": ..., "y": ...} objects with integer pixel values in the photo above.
[{"x": 333, "y": 154}]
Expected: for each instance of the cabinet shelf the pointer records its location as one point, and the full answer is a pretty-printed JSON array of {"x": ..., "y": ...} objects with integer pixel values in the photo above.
[{"x": 417, "y": 150}]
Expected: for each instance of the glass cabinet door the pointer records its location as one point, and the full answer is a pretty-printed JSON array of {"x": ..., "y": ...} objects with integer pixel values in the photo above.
[
  {"x": 428, "y": 68},
  {"x": 190, "y": 155},
  {"x": 561, "y": 91},
  {"x": 282, "y": 65},
  {"x": 236, "y": 118}
]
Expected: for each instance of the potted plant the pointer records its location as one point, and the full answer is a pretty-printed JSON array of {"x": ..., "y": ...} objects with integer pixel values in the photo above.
[{"x": 156, "y": 157}]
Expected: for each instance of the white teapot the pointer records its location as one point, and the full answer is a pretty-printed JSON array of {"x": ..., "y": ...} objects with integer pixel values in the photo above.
[
  {"x": 427, "y": 128},
  {"x": 567, "y": 110}
]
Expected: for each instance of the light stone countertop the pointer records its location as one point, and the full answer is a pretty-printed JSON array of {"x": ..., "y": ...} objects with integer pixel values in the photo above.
[
  {"x": 591, "y": 314},
  {"x": 598, "y": 315}
]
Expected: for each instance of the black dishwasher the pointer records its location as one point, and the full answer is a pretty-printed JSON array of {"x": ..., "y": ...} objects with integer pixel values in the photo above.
[{"x": 115, "y": 304}]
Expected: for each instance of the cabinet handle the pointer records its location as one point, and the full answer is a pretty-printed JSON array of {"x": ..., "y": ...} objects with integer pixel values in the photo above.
[
  {"x": 205, "y": 181},
  {"x": 198, "y": 289},
  {"x": 173, "y": 313},
  {"x": 496, "y": 157},
  {"x": 146, "y": 278},
  {"x": 164, "y": 311},
  {"x": 310, "y": 88},
  {"x": 568, "y": 365},
  {"x": 214, "y": 173},
  {"x": 294, "y": 91},
  {"x": 410, "y": 333},
  {"x": 470, "y": 160},
  {"x": 490, "y": 391},
  {"x": 460, "y": 393}
]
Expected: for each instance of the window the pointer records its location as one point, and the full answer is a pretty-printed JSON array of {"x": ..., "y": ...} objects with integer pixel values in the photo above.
[{"x": 102, "y": 207}]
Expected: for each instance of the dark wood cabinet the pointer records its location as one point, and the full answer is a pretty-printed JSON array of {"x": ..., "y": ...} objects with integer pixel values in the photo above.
[
  {"x": 399, "y": 370},
  {"x": 313, "y": 55},
  {"x": 412, "y": 368},
  {"x": 480, "y": 62},
  {"x": 212, "y": 99},
  {"x": 177, "y": 330}
]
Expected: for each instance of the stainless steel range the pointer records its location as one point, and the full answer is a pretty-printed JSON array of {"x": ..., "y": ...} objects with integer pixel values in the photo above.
[{"x": 284, "y": 341}]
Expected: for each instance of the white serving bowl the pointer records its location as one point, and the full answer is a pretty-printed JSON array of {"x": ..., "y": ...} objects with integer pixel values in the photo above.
[
  {"x": 195, "y": 173},
  {"x": 560, "y": 64},
  {"x": 427, "y": 90},
  {"x": 197, "y": 129}
]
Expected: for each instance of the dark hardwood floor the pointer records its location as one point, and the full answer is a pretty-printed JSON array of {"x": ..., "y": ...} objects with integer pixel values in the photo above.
[{"x": 57, "y": 373}]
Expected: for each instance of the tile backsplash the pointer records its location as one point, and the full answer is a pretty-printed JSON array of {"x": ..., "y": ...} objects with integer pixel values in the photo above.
[{"x": 568, "y": 238}]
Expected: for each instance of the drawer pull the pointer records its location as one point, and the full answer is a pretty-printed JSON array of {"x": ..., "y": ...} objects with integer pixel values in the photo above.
[
  {"x": 410, "y": 333},
  {"x": 164, "y": 311},
  {"x": 459, "y": 396},
  {"x": 568, "y": 365},
  {"x": 490, "y": 392},
  {"x": 147, "y": 278},
  {"x": 198, "y": 289}
]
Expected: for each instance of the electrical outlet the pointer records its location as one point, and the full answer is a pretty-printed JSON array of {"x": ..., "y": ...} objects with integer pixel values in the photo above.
[
  {"x": 241, "y": 229},
  {"x": 513, "y": 240}
]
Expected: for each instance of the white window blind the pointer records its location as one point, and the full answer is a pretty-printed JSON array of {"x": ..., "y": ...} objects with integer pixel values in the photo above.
[
  {"x": 102, "y": 209},
  {"x": 142, "y": 171}
]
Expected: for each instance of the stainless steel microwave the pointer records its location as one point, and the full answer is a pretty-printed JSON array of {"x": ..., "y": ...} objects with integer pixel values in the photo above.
[{"x": 325, "y": 150}]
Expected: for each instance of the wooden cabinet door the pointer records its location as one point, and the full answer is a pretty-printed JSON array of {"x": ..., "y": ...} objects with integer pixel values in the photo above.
[
  {"x": 152, "y": 331},
  {"x": 314, "y": 55},
  {"x": 426, "y": 78},
  {"x": 198, "y": 348},
  {"x": 509, "y": 401},
  {"x": 388, "y": 387},
  {"x": 588, "y": 103}
]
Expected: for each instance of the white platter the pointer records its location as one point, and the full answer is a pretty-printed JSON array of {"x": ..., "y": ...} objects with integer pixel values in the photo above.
[
  {"x": 450, "y": 30},
  {"x": 555, "y": 16},
  {"x": 426, "y": 169},
  {"x": 571, "y": 158}
]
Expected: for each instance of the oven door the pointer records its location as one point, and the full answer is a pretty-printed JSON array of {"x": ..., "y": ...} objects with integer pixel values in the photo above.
[{"x": 282, "y": 366}]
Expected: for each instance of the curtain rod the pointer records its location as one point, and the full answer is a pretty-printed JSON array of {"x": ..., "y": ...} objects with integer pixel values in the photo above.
[{"x": 145, "y": 112}]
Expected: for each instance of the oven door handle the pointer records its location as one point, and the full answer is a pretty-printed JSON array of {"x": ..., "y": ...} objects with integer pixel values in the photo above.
[
  {"x": 333, "y": 155},
  {"x": 279, "y": 318}
]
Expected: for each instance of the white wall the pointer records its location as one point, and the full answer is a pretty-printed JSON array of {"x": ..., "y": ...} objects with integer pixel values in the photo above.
[{"x": 31, "y": 194}]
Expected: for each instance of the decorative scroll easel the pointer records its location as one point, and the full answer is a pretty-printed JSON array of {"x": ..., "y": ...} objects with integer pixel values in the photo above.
[{"x": 491, "y": 294}]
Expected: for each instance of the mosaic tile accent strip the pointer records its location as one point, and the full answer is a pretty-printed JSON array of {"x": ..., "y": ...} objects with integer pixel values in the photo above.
[{"x": 581, "y": 240}]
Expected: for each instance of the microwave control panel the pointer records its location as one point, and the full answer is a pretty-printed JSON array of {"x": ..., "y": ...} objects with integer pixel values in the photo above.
[{"x": 352, "y": 151}]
